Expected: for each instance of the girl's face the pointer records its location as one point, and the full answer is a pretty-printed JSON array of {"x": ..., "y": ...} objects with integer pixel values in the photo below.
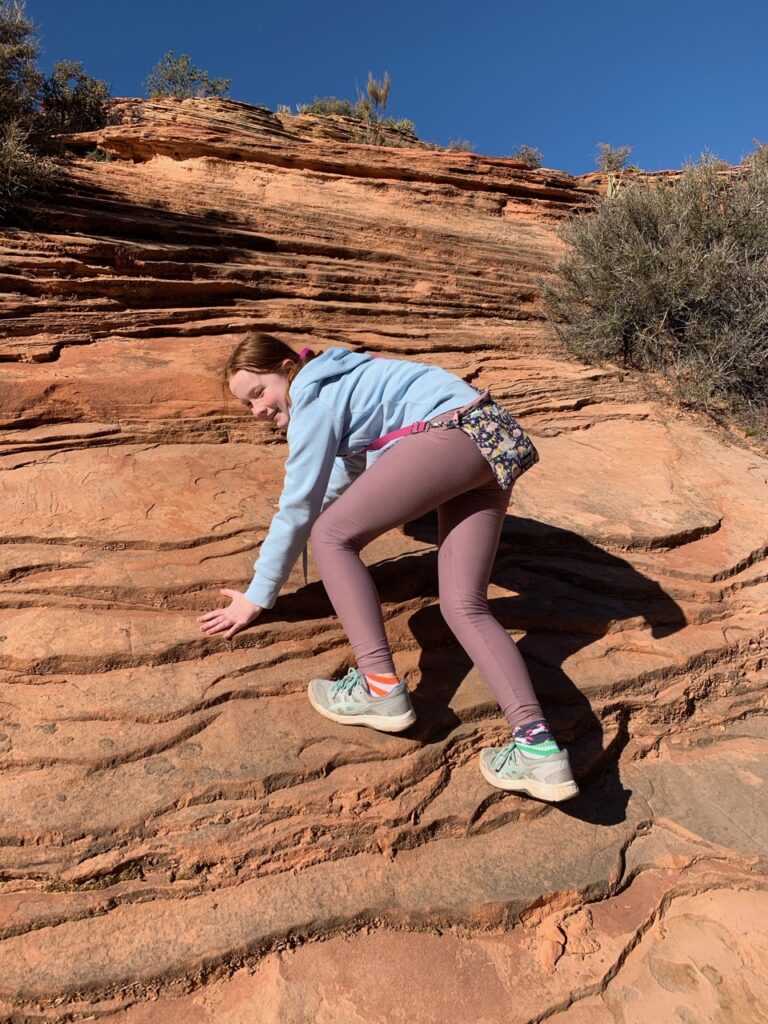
[{"x": 265, "y": 394}]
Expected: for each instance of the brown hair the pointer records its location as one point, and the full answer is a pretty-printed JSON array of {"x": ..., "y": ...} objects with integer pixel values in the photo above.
[{"x": 264, "y": 353}]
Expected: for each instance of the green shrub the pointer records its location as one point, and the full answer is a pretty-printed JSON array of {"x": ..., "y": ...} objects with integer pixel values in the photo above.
[
  {"x": 371, "y": 104},
  {"x": 673, "y": 275},
  {"x": 23, "y": 172},
  {"x": 368, "y": 108},
  {"x": 98, "y": 155},
  {"x": 460, "y": 146},
  {"x": 610, "y": 159},
  {"x": 529, "y": 155},
  {"x": 34, "y": 108},
  {"x": 178, "y": 78},
  {"x": 367, "y": 135},
  {"x": 73, "y": 101},
  {"x": 20, "y": 78},
  {"x": 401, "y": 124},
  {"x": 361, "y": 110},
  {"x": 612, "y": 162},
  {"x": 327, "y": 106}
]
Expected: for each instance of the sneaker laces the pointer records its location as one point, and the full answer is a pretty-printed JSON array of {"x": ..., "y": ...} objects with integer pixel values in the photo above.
[
  {"x": 346, "y": 684},
  {"x": 503, "y": 755}
]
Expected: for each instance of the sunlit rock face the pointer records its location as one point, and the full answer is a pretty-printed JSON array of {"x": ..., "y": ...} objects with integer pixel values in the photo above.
[{"x": 183, "y": 838}]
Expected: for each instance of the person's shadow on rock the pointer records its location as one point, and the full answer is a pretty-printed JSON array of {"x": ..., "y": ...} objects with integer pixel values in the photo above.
[{"x": 569, "y": 593}]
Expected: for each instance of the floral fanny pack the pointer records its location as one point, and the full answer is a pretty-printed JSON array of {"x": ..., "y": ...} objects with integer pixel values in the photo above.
[
  {"x": 500, "y": 438},
  {"x": 498, "y": 435}
]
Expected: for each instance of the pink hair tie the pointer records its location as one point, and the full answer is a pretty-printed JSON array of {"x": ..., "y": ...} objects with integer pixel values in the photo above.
[{"x": 305, "y": 353}]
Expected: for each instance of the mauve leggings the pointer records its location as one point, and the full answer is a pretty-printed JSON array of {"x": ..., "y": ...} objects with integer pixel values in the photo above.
[{"x": 442, "y": 469}]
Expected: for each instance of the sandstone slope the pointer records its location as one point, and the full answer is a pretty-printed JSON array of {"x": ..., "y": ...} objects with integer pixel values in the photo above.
[{"x": 182, "y": 837}]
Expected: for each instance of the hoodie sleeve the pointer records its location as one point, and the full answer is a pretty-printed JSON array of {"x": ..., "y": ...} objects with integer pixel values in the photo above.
[{"x": 314, "y": 435}]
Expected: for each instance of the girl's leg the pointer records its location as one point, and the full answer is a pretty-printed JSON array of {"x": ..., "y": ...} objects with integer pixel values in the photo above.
[
  {"x": 417, "y": 475},
  {"x": 470, "y": 527}
]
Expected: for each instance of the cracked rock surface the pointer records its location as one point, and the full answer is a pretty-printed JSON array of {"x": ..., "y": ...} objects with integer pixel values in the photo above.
[{"x": 182, "y": 838}]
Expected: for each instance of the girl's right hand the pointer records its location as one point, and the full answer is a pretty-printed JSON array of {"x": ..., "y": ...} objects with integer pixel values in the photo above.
[{"x": 240, "y": 614}]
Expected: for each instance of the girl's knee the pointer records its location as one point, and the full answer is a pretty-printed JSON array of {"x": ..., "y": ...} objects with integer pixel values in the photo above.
[
  {"x": 332, "y": 530},
  {"x": 459, "y": 608},
  {"x": 449, "y": 614}
]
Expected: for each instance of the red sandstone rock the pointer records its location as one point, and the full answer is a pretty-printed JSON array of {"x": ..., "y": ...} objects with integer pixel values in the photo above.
[{"x": 182, "y": 837}]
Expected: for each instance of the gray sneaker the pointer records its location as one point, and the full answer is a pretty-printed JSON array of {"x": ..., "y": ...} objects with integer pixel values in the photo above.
[
  {"x": 349, "y": 702},
  {"x": 546, "y": 777}
]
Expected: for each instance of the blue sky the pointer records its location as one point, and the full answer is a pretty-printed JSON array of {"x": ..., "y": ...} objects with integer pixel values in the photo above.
[{"x": 668, "y": 78}]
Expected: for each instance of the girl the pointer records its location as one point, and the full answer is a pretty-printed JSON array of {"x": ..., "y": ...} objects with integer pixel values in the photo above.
[{"x": 345, "y": 412}]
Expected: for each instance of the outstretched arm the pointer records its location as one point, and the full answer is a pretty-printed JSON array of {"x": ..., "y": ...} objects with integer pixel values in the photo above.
[
  {"x": 241, "y": 613},
  {"x": 313, "y": 442},
  {"x": 314, "y": 435}
]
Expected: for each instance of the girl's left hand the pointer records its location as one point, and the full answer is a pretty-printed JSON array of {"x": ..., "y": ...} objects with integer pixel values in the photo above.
[{"x": 241, "y": 613}]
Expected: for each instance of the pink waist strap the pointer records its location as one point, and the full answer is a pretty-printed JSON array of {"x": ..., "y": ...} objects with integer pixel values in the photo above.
[{"x": 421, "y": 425}]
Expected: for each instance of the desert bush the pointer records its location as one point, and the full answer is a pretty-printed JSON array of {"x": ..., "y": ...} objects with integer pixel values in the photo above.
[
  {"x": 326, "y": 106},
  {"x": 368, "y": 109},
  {"x": 178, "y": 78},
  {"x": 673, "y": 275},
  {"x": 283, "y": 108},
  {"x": 401, "y": 124},
  {"x": 612, "y": 161},
  {"x": 20, "y": 78},
  {"x": 460, "y": 146},
  {"x": 23, "y": 172},
  {"x": 98, "y": 156},
  {"x": 529, "y": 155},
  {"x": 366, "y": 135},
  {"x": 371, "y": 104},
  {"x": 73, "y": 101},
  {"x": 34, "y": 108},
  {"x": 374, "y": 135}
]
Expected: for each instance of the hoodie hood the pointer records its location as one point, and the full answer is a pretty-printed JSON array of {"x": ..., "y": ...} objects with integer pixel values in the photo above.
[{"x": 331, "y": 363}]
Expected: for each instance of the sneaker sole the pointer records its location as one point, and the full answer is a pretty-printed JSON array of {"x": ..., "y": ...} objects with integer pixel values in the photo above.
[
  {"x": 384, "y": 723},
  {"x": 551, "y": 792}
]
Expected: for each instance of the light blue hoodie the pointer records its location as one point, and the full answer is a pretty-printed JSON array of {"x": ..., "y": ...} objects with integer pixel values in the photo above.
[{"x": 341, "y": 402}]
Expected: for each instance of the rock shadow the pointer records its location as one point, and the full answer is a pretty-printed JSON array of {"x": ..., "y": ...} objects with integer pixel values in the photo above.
[{"x": 569, "y": 593}]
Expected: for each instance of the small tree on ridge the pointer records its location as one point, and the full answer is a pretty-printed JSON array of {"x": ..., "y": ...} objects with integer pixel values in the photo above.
[
  {"x": 612, "y": 162},
  {"x": 529, "y": 155},
  {"x": 178, "y": 78},
  {"x": 73, "y": 101}
]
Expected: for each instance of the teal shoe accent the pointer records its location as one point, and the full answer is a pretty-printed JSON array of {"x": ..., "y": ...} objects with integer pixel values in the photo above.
[
  {"x": 348, "y": 701},
  {"x": 543, "y": 776}
]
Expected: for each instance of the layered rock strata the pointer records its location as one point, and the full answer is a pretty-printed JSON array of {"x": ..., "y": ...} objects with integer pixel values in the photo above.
[{"x": 182, "y": 837}]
